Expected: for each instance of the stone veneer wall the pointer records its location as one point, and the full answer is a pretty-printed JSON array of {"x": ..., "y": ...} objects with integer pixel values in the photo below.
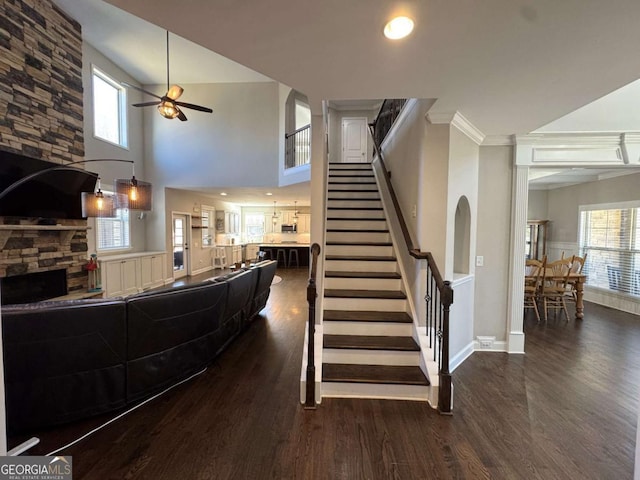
[{"x": 41, "y": 116}]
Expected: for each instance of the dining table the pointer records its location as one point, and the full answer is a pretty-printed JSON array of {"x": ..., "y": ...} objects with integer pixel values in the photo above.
[{"x": 576, "y": 279}]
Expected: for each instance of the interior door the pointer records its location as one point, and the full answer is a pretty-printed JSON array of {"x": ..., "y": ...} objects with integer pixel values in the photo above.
[
  {"x": 180, "y": 245},
  {"x": 354, "y": 140}
]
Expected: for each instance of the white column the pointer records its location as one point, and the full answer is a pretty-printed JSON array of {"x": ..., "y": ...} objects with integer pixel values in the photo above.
[{"x": 515, "y": 317}]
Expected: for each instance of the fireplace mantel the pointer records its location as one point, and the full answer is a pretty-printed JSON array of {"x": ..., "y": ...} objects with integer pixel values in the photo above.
[{"x": 66, "y": 231}]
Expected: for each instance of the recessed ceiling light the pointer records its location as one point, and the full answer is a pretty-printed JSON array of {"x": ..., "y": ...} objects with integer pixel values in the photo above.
[
  {"x": 268, "y": 194},
  {"x": 398, "y": 27},
  {"x": 224, "y": 194}
]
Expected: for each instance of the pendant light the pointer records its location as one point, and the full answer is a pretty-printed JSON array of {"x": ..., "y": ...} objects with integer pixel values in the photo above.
[
  {"x": 275, "y": 215},
  {"x": 295, "y": 212},
  {"x": 98, "y": 204},
  {"x": 136, "y": 192}
]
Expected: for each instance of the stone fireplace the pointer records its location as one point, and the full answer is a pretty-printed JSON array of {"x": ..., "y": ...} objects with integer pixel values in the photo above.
[{"x": 31, "y": 248}]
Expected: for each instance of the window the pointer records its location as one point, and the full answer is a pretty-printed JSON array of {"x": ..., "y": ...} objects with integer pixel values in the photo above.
[
  {"x": 109, "y": 109},
  {"x": 113, "y": 233},
  {"x": 208, "y": 225},
  {"x": 254, "y": 224},
  {"x": 610, "y": 237}
]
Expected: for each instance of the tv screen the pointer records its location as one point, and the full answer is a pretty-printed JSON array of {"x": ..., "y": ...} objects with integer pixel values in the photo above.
[{"x": 54, "y": 193}]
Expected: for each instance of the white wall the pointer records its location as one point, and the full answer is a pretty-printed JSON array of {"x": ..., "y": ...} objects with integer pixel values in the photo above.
[
  {"x": 493, "y": 241},
  {"x": 96, "y": 148}
]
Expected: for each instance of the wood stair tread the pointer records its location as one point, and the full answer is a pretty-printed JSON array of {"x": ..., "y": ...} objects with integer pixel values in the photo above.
[
  {"x": 370, "y": 342},
  {"x": 339, "y": 274},
  {"x": 361, "y": 244},
  {"x": 359, "y": 258},
  {"x": 383, "y": 294},
  {"x": 378, "y": 374},
  {"x": 355, "y": 208},
  {"x": 365, "y": 316}
]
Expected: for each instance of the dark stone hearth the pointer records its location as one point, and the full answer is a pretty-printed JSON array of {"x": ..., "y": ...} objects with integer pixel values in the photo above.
[
  {"x": 46, "y": 262},
  {"x": 17, "y": 269},
  {"x": 79, "y": 247},
  {"x": 79, "y": 274},
  {"x": 19, "y": 243}
]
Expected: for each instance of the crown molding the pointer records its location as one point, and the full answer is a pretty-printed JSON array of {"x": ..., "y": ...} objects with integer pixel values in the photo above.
[
  {"x": 499, "y": 141},
  {"x": 459, "y": 121}
]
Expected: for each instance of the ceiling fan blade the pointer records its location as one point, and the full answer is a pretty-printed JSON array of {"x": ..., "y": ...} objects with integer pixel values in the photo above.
[
  {"x": 141, "y": 90},
  {"x": 195, "y": 107},
  {"x": 174, "y": 92},
  {"x": 144, "y": 104},
  {"x": 182, "y": 116}
]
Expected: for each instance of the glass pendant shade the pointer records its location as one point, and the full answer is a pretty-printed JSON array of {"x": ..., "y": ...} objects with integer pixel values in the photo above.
[
  {"x": 168, "y": 109},
  {"x": 135, "y": 193},
  {"x": 98, "y": 205}
]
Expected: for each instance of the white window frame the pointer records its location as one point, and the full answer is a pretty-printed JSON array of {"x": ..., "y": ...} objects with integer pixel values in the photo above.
[
  {"x": 121, "y": 106},
  {"x": 124, "y": 219},
  {"x": 208, "y": 219},
  {"x": 625, "y": 281}
]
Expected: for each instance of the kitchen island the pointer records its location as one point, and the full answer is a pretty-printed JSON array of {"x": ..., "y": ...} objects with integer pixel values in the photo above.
[{"x": 287, "y": 247}]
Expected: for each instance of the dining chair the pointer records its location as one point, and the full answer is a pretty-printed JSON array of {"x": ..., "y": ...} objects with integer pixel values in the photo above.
[
  {"x": 533, "y": 270},
  {"x": 553, "y": 286},
  {"x": 577, "y": 264}
]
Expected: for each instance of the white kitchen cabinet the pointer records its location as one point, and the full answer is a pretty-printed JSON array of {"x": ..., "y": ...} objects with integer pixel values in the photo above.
[
  {"x": 251, "y": 252},
  {"x": 121, "y": 277},
  {"x": 152, "y": 270},
  {"x": 304, "y": 223},
  {"x": 233, "y": 253},
  {"x": 228, "y": 222}
]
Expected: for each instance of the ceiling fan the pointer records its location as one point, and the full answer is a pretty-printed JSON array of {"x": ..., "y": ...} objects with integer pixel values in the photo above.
[{"x": 168, "y": 104}]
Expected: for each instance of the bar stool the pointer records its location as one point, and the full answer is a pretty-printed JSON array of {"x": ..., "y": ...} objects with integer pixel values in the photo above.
[
  {"x": 293, "y": 257},
  {"x": 281, "y": 252}
]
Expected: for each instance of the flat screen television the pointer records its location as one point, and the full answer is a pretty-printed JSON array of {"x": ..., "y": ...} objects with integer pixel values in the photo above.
[{"x": 54, "y": 193}]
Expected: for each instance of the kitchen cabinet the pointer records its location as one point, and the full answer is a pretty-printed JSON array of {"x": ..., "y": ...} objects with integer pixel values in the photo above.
[
  {"x": 152, "y": 271},
  {"x": 121, "y": 277},
  {"x": 228, "y": 222},
  {"x": 132, "y": 273},
  {"x": 252, "y": 251},
  {"x": 233, "y": 253},
  {"x": 304, "y": 223}
]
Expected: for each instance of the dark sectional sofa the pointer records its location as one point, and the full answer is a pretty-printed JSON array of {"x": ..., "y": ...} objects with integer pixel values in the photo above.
[{"x": 72, "y": 359}]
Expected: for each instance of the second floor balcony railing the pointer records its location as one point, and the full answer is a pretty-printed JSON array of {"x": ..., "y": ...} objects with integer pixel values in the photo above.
[{"x": 298, "y": 147}]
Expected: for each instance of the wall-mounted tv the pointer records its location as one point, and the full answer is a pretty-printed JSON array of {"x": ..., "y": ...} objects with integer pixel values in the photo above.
[{"x": 55, "y": 193}]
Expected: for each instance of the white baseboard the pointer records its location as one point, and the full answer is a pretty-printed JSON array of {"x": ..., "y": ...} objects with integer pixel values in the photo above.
[
  {"x": 202, "y": 270},
  {"x": 461, "y": 356}
]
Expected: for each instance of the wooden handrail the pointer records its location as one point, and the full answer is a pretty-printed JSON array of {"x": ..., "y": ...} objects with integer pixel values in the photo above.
[
  {"x": 439, "y": 294},
  {"x": 287, "y": 135},
  {"x": 310, "y": 399}
]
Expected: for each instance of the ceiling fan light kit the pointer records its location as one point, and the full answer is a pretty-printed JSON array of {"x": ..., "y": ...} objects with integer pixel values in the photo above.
[{"x": 168, "y": 106}]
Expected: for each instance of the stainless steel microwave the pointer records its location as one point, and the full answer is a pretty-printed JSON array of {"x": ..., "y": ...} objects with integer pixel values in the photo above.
[{"x": 289, "y": 228}]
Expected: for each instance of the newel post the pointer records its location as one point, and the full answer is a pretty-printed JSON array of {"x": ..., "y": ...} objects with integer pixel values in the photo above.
[{"x": 444, "y": 392}]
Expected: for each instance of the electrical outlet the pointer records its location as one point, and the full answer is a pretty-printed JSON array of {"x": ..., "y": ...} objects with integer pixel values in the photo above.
[
  {"x": 486, "y": 343},
  {"x": 479, "y": 261}
]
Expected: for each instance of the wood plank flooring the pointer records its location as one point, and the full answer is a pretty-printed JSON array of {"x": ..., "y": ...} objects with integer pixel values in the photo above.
[{"x": 565, "y": 410}]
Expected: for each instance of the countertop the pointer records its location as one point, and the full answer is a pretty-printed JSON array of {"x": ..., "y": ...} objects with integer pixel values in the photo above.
[{"x": 269, "y": 245}]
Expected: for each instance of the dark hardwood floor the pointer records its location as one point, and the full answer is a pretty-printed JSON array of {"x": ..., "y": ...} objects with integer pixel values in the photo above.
[{"x": 565, "y": 410}]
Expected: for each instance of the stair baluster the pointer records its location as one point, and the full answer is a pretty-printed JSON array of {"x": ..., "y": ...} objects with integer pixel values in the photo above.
[{"x": 310, "y": 400}]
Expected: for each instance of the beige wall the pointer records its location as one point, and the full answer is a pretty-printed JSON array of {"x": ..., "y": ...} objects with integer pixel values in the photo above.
[
  {"x": 493, "y": 241},
  {"x": 538, "y": 205},
  {"x": 564, "y": 202},
  {"x": 335, "y": 131}
]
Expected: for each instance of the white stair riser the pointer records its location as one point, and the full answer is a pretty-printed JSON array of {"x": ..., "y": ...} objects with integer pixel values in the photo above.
[
  {"x": 355, "y": 203},
  {"x": 369, "y": 304},
  {"x": 350, "y": 166},
  {"x": 370, "y": 357},
  {"x": 358, "y": 237},
  {"x": 360, "y": 266},
  {"x": 362, "y": 283},
  {"x": 388, "y": 329},
  {"x": 370, "y": 390},
  {"x": 351, "y": 186},
  {"x": 357, "y": 224},
  {"x": 368, "y": 250},
  {"x": 351, "y": 180},
  {"x": 355, "y": 213}
]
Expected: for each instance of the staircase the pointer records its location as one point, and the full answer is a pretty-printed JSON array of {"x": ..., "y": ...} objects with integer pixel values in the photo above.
[{"x": 368, "y": 337}]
